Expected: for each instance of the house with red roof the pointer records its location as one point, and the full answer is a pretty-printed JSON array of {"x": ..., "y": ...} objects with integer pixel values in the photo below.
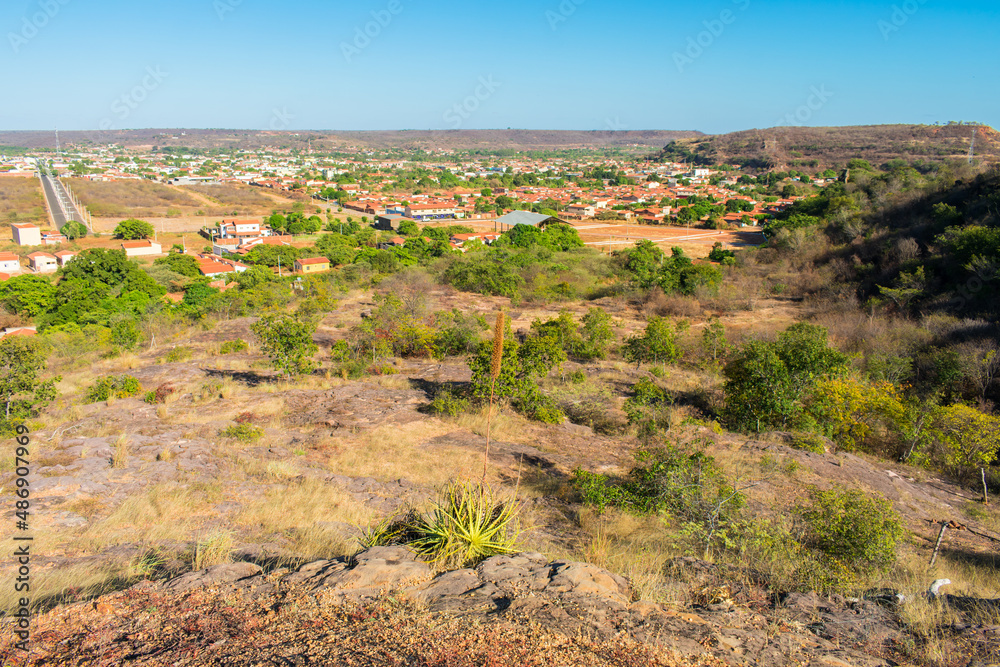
[
  {"x": 310, "y": 265},
  {"x": 142, "y": 248},
  {"x": 43, "y": 262},
  {"x": 10, "y": 263}
]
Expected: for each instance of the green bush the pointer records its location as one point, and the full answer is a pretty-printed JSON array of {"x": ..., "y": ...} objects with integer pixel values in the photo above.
[
  {"x": 117, "y": 386},
  {"x": 447, "y": 404},
  {"x": 179, "y": 354},
  {"x": 234, "y": 346},
  {"x": 851, "y": 527},
  {"x": 686, "y": 485},
  {"x": 244, "y": 432},
  {"x": 470, "y": 524}
]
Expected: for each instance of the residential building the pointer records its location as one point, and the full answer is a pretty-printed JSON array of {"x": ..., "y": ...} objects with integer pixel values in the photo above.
[
  {"x": 50, "y": 238},
  {"x": 64, "y": 257},
  {"x": 312, "y": 265},
  {"x": 43, "y": 262},
  {"x": 141, "y": 248},
  {"x": 423, "y": 212},
  {"x": 19, "y": 331},
  {"x": 26, "y": 233},
  {"x": 10, "y": 263}
]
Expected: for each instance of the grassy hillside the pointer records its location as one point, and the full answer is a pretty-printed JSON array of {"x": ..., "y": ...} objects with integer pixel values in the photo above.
[{"x": 833, "y": 147}]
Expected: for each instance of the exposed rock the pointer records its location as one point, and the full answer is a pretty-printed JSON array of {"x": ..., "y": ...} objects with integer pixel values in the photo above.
[{"x": 226, "y": 573}]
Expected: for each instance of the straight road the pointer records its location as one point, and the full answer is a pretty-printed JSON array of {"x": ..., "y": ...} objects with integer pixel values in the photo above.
[{"x": 62, "y": 206}]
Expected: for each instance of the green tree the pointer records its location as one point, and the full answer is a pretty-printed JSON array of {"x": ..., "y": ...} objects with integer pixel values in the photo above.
[
  {"x": 657, "y": 344},
  {"x": 596, "y": 334},
  {"x": 970, "y": 438},
  {"x": 713, "y": 340},
  {"x": 759, "y": 392},
  {"x": 23, "y": 392},
  {"x": 124, "y": 332},
  {"x": 765, "y": 381},
  {"x": 409, "y": 228},
  {"x": 185, "y": 265},
  {"x": 132, "y": 230},
  {"x": 288, "y": 342},
  {"x": 73, "y": 230},
  {"x": 29, "y": 295}
]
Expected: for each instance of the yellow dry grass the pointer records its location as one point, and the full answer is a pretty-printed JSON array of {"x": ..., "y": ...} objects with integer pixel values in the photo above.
[
  {"x": 298, "y": 513},
  {"x": 166, "y": 512},
  {"x": 397, "y": 452}
]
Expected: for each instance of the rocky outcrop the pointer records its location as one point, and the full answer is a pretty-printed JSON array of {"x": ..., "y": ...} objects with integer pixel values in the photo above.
[{"x": 580, "y": 599}]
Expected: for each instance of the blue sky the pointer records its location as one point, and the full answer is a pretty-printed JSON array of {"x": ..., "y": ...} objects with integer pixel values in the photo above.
[{"x": 718, "y": 66}]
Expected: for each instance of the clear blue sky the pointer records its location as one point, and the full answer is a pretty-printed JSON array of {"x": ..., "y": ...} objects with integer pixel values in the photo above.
[{"x": 594, "y": 65}]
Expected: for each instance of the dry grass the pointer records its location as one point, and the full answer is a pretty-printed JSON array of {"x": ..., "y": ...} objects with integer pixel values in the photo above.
[
  {"x": 507, "y": 426},
  {"x": 166, "y": 512},
  {"x": 122, "y": 449},
  {"x": 298, "y": 513},
  {"x": 397, "y": 452},
  {"x": 637, "y": 548},
  {"x": 59, "y": 585},
  {"x": 215, "y": 548}
]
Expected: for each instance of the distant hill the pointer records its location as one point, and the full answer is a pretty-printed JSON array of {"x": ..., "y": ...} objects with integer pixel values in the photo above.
[
  {"x": 516, "y": 140},
  {"x": 826, "y": 147}
]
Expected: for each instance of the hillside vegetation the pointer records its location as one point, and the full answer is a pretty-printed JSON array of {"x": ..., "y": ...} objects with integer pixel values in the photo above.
[
  {"x": 833, "y": 147},
  {"x": 784, "y": 423}
]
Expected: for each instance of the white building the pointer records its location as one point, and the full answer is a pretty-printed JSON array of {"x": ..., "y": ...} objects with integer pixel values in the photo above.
[
  {"x": 141, "y": 248},
  {"x": 26, "y": 233},
  {"x": 9, "y": 263}
]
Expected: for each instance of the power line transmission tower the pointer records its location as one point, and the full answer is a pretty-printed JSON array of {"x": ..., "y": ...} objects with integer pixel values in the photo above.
[
  {"x": 57, "y": 144},
  {"x": 972, "y": 147}
]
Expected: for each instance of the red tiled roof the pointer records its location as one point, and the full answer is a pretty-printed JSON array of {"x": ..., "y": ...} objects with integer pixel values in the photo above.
[{"x": 313, "y": 261}]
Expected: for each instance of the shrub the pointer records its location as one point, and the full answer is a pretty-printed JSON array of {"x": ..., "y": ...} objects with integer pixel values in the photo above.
[
  {"x": 244, "y": 432},
  {"x": 117, "y": 386},
  {"x": 468, "y": 525},
  {"x": 688, "y": 485},
  {"x": 179, "y": 354},
  {"x": 764, "y": 381},
  {"x": 851, "y": 527},
  {"x": 234, "y": 346},
  {"x": 447, "y": 404},
  {"x": 657, "y": 344},
  {"x": 159, "y": 395}
]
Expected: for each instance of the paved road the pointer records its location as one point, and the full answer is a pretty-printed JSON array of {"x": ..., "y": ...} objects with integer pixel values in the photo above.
[{"x": 62, "y": 207}]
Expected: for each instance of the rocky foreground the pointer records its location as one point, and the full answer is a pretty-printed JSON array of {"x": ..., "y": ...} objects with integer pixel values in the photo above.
[{"x": 386, "y": 607}]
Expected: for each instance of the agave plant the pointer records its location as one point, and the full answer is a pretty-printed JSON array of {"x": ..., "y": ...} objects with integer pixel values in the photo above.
[{"x": 469, "y": 525}]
